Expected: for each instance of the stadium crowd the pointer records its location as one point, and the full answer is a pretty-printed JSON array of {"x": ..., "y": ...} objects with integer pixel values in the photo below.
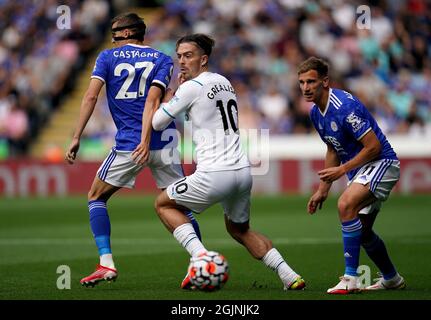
[
  {"x": 39, "y": 61},
  {"x": 261, "y": 42},
  {"x": 259, "y": 46}
]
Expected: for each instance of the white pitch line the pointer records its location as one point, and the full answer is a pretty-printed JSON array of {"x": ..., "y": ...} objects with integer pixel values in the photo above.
[
  {"x": 165, "y": 242},
  {"x": 150, "y": 241}
]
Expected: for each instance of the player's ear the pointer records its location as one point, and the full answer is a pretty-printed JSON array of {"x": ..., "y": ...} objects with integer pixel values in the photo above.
[
  {"x": 326, "y": 82},
  {"x": 204, "y": 60}
]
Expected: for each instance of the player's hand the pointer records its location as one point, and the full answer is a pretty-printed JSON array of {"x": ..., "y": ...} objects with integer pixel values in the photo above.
[
  {"x": 72, "y": 151},
  {"x": 331, "y": 174},
  {"x": 181, "y": 78},
  {"x": 168, "y": 95},
  {"x": 316, "y": 201},
  {"x": 141, "y": 154}
]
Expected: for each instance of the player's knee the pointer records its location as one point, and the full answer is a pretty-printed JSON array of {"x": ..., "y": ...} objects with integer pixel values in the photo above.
[
  {"x": 236, "y": 230},
  {"x": 93, "y": 195},
  {"x": 158, "y": 206},
  {"x": 234, "y": 233},
  {"x": 346, "y": 209},
  {"x": 342, "y": 205}
]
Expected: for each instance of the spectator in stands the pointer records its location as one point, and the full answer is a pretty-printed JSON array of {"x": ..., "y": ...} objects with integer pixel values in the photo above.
[
  {"x": 259, "y": 42},
  {"x": 38, "y": 60},
  {"x": 259, "y": 50}
]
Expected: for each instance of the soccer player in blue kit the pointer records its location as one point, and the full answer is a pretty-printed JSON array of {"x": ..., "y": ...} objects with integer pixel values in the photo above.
[
  {"x": 356, "y": 147},
  {"x": 136, "y": 77}
]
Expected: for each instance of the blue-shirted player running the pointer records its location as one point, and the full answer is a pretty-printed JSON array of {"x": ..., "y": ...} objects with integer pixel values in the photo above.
[
  {"x": 356, "y": 147},
  {"x": 136, "y": 77}
]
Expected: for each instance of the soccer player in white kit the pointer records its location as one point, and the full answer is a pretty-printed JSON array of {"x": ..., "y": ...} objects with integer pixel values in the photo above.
[{"x": 223, "y": 170}]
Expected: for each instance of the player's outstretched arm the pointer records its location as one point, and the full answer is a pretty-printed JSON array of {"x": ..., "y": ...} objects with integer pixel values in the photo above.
[
  {"x": 142, "y": 152},
  {"x": 87, "y": 107}
]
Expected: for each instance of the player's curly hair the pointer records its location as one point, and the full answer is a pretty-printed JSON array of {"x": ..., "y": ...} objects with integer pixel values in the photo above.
[
  {"x": 202, "y": 40},
  {"x": 313, "y": 63}
]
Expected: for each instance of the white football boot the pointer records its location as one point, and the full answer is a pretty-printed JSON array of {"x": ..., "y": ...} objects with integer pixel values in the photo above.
[
  {"x": 397, "y": 282},
  {"x": 348, "y": 284}
]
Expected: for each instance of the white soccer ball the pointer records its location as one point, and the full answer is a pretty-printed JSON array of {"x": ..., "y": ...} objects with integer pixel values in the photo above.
[{"x": 209, "y": 271}]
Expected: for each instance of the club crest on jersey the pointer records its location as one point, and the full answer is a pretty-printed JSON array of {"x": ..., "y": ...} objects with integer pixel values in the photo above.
[
  {"x": 356, "y": 122},
  {"x": 334, "y": 126}
]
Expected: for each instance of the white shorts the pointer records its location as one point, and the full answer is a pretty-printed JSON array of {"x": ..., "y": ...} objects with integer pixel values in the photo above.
[
  {"x": 380, "y": 176},
  {"x": 120, "y": 170},
  {"x": 201, "y": 190}
]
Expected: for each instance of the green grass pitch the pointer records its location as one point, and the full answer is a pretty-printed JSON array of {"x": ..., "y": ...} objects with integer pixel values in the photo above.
[{"x": 38, "y": 235}]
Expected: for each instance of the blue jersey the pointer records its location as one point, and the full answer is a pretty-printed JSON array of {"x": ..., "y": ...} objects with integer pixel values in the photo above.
[
  {"x": 343, "y": 123},
  {"x": 128, "y": 73}
]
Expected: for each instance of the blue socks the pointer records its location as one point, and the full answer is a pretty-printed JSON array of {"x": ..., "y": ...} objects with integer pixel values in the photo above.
[
  {"x": 376, "y": 250},
  {"x": 352, "y": 245},
  {"x": 194, "y": 223},
  {"x": 100, "y": 225}
]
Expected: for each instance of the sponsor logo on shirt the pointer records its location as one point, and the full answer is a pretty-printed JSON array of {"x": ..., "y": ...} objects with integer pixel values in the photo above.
[
  {"x": 356, "y": 122},
  {"x": 336, "y": 145}
]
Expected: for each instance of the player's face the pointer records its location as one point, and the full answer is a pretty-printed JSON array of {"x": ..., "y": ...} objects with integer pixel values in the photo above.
[
  {"x": 312, "y": 85},
  {"x": 191, "y": 60}
]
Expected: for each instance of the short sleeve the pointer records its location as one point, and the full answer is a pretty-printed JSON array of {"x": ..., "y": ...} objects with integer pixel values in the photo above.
[
  {"x": 100, "y": 70},
  {"x": 356, "y": 120},
  {"x": 164, "y": 73}
]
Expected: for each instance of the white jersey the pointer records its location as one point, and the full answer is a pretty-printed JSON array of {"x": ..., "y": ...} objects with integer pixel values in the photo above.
[{"x": 209, "y": 102}]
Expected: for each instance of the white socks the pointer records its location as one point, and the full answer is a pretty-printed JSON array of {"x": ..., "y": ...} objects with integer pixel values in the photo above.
[
  {"x": 186, "y": 236},
  {"x": 275, "y": 261},
  {"x": 107, "y": 261}
]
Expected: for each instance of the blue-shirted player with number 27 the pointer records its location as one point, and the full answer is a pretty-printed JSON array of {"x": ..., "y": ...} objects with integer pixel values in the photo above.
[
  {"x": 356, "y": 147},
  {"x": 136, "y": 77}
]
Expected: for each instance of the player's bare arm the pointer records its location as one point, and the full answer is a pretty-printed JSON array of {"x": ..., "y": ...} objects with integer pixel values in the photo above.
[
  {"x": 169, "y": 94},
  {"x": 370, "y": 151},
  {"x": 87, "y": 107},
  {"x": 162, "y": 118},
  {"x": 142, "y": 152},
  {"x": 317, "y": 199}
]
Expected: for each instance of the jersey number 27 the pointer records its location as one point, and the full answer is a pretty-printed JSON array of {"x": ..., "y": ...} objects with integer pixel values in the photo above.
[{"x": 123, "y": 93}]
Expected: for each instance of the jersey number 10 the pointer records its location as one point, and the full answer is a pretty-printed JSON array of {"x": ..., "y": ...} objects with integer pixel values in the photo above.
[{"x": 231, "y": 103}]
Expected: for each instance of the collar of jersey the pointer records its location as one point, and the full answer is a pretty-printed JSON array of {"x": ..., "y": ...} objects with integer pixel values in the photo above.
[
  {"x": 327, "y": 104},
  {"x": 136, "y": 45}
]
